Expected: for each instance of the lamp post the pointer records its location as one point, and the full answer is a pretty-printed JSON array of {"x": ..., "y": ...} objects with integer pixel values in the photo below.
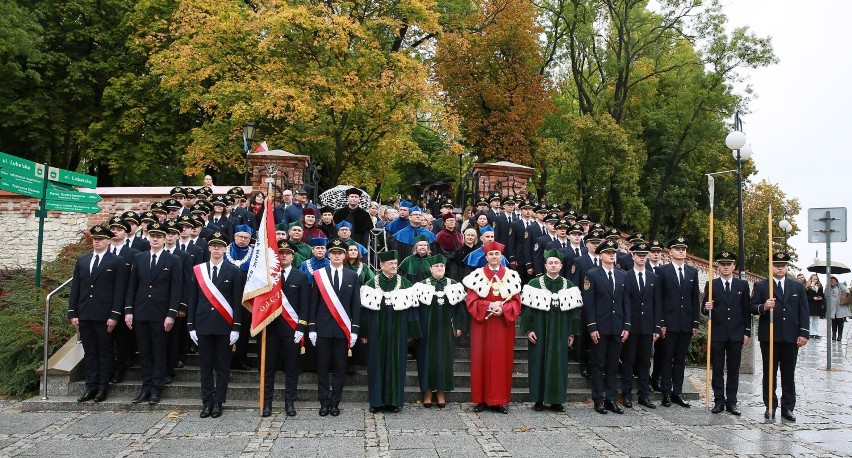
[
  {"x": 786, "y": 227},
  {"x": 248, "y": 136},
  {"x": 736, "y": 142}
]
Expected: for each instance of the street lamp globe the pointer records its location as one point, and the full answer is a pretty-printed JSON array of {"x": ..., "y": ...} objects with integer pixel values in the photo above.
[
  {"x": 745, "y": 152},
  {"x": 735, "y": 140},
  {"x": 785, "y": 226}
]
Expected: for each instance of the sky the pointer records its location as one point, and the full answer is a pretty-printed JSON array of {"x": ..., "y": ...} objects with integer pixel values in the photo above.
[{"x": 799, "y": 123}]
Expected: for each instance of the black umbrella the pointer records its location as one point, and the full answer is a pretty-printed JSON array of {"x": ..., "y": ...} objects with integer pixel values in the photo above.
[{"x": 836, "y": 268}]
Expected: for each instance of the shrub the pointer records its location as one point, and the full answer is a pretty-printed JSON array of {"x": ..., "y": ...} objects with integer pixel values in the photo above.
[{"x": 22, "y": 320}]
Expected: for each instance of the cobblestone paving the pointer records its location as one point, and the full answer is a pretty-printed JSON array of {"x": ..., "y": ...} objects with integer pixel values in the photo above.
[{"x": 824, "y": 427}]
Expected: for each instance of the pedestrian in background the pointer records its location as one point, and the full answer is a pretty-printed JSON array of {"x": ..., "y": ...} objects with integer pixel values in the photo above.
[{"x": 816, "y": 304}]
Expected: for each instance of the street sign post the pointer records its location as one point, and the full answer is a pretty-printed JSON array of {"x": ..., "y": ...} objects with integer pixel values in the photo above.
[
  {"x": 826, "y": 225},
  {"x": 72, "y": 178},
  {"x": 21, "y": 176},
  {"x": 59, "y": 191},
  {"x": 75, "y": 207}
]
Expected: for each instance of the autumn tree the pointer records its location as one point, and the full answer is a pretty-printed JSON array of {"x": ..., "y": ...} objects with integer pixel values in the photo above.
[{"x": 489, "y": 71}]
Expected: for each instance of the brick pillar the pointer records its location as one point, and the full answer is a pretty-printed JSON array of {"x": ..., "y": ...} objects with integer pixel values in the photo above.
[
  {"x": 291, "y": 168},
  {"x": 513, "y": 177}
]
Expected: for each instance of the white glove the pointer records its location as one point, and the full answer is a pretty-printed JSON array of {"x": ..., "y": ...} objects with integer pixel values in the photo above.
[
  {"x": 352, "y": 339},
  {"x": 297, "y": 336},
  {"x": 313, "y": 337},
  {"x": 194, "y": 336},
  {"x": 235, "y": 335}
]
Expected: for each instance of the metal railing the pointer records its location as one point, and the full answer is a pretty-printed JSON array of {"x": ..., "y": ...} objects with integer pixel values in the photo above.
[{"x": 47, "y": 333}]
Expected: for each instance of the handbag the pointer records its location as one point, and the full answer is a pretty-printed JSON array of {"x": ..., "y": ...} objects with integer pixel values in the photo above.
[{"x": 845, "y": 298}]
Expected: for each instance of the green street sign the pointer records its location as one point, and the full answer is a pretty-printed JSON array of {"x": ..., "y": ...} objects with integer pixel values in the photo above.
[
  {"x": 74, "y": 207},
  {"x": 72, "y": 178},
  {"x": 59, "y": 191},
  {"x": 21, "y": 176}
]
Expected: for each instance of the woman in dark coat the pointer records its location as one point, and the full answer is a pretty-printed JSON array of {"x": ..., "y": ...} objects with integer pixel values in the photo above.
[{"x": 816, "y": 304}]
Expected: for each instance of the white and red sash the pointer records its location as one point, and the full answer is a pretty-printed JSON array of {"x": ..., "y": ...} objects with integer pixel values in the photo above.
[
  {"x": 332, "y": 301},
  {"x": 212, "y": 293},
  {"x": 289, "y": 313}
]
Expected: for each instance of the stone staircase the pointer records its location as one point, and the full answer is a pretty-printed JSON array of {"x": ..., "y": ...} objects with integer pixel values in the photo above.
[{"x": 184, "y": 391}]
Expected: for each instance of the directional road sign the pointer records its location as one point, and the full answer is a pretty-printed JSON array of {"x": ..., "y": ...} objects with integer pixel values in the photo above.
[
  {"x": 21, "y": 176},
  {"x": 59, "y": 191},
  {"x": 75, "y": 207},
  {"x": 72, "y": 178}
]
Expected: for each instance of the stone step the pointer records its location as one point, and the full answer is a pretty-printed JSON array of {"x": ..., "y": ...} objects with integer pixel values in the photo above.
[
  {"x": 461, "y": 377},
  {"x": 521, "y": 353}
]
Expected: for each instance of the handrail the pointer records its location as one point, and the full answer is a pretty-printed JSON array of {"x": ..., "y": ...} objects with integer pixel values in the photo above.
[{"x": 47, "y": 333}]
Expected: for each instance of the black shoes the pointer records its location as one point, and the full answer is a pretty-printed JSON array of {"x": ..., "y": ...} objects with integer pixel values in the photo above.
[
  {"x": 479, "y": 407},
  {"x": 557, "y": 407},
  {"x": 334, "y": 411},
  {"x": 167, "y": 380},
  {"x": 788, "y": 415},
  {"x": 391, "y": 409},
  {"x": 667, "y": 401},
  {"x": 718, "y": 408},
  {"x": 627, "y": 403},
  {"x": 323, "y": 412},
  {"x": 732, "y": 408},
  {"x": 372, "y": 409},
  {"x": 679, "y": 401},
  {"x": 647, "y": 403},
  {"x": 289, "y": 409},
  {"x": 538, "y": 406},
  {"x": 241, "y": 366},
  {"x": 585, "y": 373},
  {"x": 179, "y": 364},
  {"x": 87, "y": 396},
  {"x": 501, "y": 409},
  {"x": 766, "y": 414},
  {"x": 208, "y": 409},
  {"x": 217, "y": 410},
  {"x": 101, "y": 396},
  {"x": 118, "y": 377},
  {"x": 599, "y": 407},
  {"x": 655, "y": 385},
  {"x": 141, "y": 397},
  {"x": 267, "y": 411},
  {"x": 613, "y": 407},
  {"x": 154, "y": 399}
]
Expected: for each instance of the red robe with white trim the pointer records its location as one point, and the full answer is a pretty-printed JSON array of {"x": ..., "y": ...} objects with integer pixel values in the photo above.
[{"x": 492, "y": 345}]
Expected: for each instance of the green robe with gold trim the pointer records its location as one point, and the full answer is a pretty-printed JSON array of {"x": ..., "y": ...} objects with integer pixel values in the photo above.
[
  {"x": 548, "y": 357},
  {"x": 302, "y": 254},
  {"x": 415, "y": 268},
  {"x": 436, "y": 349},
  {"x": 387, "y": 332},
  {"x": 365, "y": 275}
]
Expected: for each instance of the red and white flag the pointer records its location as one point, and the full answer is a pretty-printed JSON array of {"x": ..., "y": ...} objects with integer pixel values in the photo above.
[
  {"x": 262, "y": 294},
  {"x": 262, "y": 147}
]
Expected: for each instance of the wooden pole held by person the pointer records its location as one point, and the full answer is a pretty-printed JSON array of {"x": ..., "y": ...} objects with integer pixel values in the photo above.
[{"x": 771, "y": 365}]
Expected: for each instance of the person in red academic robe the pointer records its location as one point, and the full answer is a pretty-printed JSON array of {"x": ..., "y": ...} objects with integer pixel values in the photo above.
[{"x": 493, "y": 301}]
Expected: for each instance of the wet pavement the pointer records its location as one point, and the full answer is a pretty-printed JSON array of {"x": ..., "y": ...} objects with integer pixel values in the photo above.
[{"x": 823, "y": 427}]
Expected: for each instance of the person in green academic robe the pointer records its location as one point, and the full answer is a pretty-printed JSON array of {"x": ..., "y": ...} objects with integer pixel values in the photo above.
[
  {"x": 365, "y": 274},
  {"x": 388, "y": 323},
  {"x": 550, "y": 332},
  {"x": 439, "y": 327},
  {"x": 415, "y": 267}
]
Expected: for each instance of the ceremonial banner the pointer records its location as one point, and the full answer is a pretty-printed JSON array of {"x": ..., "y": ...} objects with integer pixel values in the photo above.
[{"x": 262, "y": 293}]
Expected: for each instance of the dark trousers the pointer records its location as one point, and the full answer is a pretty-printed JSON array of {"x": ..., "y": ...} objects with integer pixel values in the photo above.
[
  {"x": 837, "y": 328},
  {"x": 636, "y": 354},
  {"x": 151, "y": 339},
  {"x": 177, "y": 335},
  {"x": 659, "y": 351},
  {"x": 674, "y": 362},
  {"x": 125, "y": 347},
  {"x": 785, "y": 356},
  {"x": 281, "y": 353},
  {"x": 241, "y": 353},
  {"x": 214, "y": 354},
  {"x": 604, "y": 359},
  {"x": 331, "y": 356},
  {"x": 97, "y": 354},
  {"x": 721, "y": 352}
]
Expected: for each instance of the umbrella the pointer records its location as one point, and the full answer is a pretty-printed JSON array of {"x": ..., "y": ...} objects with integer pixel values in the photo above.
[
  {"x": 836, "y": 267},
  {"x": 336, "y": 197}
]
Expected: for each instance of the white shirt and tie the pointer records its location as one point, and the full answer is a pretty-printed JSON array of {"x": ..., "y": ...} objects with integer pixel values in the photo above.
[
  {"x": 96, "y": 260},
  {"x": 215, "y": 270},
  {"x": 640, "y": 279}
]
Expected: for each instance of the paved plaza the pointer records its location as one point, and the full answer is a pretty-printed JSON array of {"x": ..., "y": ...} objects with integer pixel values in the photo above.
[{"x": 824, "y": 427}]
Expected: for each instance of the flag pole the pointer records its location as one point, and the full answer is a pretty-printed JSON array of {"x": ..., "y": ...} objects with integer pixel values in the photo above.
[
  {"x": 262, "y": 368},
  {"x": 771, "y": 365},
  {"x": 710, "y": 185}
]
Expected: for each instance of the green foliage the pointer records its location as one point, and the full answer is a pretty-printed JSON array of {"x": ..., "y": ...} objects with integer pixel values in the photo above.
[
  {"x": 697, "y": 353},
  {"x": 22, "y": 321}
]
